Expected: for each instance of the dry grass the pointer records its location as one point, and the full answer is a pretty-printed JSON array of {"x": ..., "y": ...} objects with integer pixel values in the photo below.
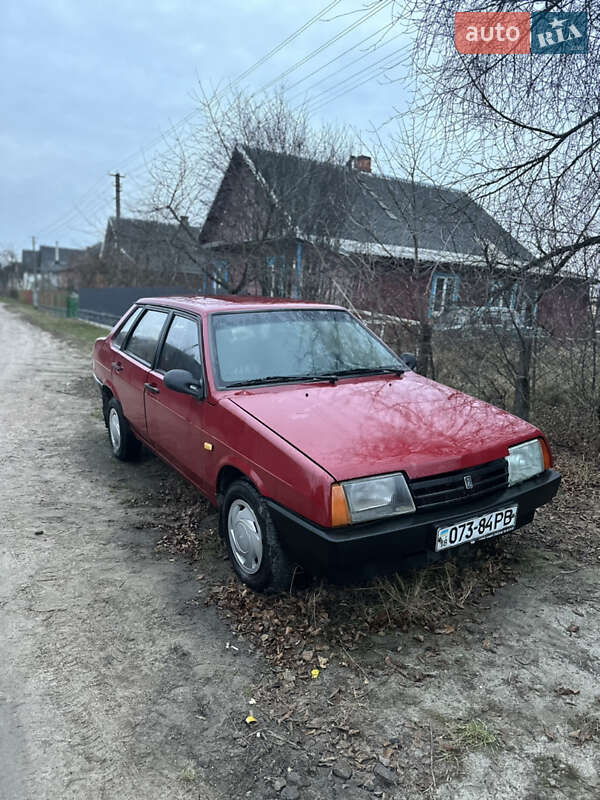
[
  {"x": 298, "y": 630},
  {"x": 430, "y": 594},
  {"x": 570, "y": 526},
  {"x": 77, "y": 332}
]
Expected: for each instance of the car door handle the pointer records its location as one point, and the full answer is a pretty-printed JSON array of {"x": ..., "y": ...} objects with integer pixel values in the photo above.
[
  {"x": 117, "y": 366},
  {"x": 152, "y": 388}
]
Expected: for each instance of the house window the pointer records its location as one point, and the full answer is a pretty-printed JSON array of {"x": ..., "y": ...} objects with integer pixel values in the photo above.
[
  {"x": 502, "y": 294},
  {"x": 444, "y": 292},
  {"x": 526, "y": 307}
]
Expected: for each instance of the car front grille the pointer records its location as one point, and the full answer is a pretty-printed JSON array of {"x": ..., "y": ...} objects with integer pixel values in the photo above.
[{"x": 451, "y": 488}]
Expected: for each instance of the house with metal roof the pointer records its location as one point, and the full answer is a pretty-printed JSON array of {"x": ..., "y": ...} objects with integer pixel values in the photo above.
[
  {"x": 50, "y": 267},
  {"x": 315, "y": 229},
  {"x": 143, "y": 251}
]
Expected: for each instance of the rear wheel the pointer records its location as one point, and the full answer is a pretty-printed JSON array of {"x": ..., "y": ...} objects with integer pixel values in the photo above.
[
  {"x": 122, "y": 441},
  {"x": 252, "y": 541}
]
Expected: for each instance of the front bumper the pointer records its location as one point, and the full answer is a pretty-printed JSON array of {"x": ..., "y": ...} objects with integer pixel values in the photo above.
[{"x": 408, "y": 541}]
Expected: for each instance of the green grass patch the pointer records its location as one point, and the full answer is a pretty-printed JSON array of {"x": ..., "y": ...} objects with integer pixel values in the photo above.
[
  {"x": 188, "y": 774},
  {"x": 473, "y": 735},
  {"x": 75, "y": 331}
]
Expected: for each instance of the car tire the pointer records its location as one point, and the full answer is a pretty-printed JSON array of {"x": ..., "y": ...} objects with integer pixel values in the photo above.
[
  {"x": 123, "y": 443},
  {"x": 252, "y": 541}
]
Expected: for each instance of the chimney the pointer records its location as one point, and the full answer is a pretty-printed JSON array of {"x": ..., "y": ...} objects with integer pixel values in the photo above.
[
  {"x": 362, "y": 163},
  {"x": 184, "y": 221},
  {"x": 56, "y": 254}
]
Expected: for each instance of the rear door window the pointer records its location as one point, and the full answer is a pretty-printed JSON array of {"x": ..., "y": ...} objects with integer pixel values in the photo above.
[
  {"x": 181, "y": 348},
  {"x": 142, "y": 342},
  {"x": 120, "y": 337}
]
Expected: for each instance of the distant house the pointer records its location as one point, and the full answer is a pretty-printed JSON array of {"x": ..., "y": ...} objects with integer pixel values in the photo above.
[
  {"x": 50, "y": 267},
  {"x": 144, "y": 252},
  {"x": 398, "y": 247},
  {"x": 11, "y": 276},
  {"x": 31, "y": 269}
]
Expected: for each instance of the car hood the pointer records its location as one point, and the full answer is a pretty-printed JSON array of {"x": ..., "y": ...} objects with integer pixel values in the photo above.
[{"x": 376, "y": 425}]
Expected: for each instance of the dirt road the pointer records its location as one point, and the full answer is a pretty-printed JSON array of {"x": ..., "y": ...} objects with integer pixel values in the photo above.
[
  {"x": 118, "y": 681},
  {"x": 109, "y": 686}
]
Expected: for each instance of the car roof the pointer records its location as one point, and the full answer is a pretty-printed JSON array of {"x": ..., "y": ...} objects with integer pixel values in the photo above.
[{"x": 200, "y": 304}]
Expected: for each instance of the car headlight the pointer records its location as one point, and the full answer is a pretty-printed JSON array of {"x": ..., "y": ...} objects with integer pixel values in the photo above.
[
  {"x": 524, "y": 461},
  {"x": 382, "y": 496}
]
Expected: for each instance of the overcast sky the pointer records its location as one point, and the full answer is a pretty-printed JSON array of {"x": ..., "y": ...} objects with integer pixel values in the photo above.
[{"x": 87, "y": 85}]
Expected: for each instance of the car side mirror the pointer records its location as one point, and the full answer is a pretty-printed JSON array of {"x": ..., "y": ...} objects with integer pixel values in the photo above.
[
  {"x": 180, "y": 380},
  {"x": 409, "y": 359}
]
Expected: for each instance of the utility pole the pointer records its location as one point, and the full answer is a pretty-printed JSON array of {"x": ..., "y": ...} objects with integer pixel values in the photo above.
[
  {"x": 117, "y": 176},
  {"x": 35, "y": 272}
]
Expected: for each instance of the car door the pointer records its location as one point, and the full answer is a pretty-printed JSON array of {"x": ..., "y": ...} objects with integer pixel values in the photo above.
[
  {"x": 175, "y": 420},
  {"x": 131, "y": 365}
]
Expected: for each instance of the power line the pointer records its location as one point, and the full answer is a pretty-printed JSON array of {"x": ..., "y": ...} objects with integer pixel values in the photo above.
[
  {"x": 193, "y": 113},
  {"x": 380, "y": 6},
  {"x": 340, "y": 70},
  {"x": 289, "y": 39},
  {"x": 369, "y": 68},
  {"x": 369, "y": 78},
  {"x": 86, "y": 201},
  {"x": 85, "y": 198},
  {"x": 336, "y": 58}
]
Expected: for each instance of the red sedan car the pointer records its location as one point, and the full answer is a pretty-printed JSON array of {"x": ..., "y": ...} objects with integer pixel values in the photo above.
[{"x": 318, "y": 444}]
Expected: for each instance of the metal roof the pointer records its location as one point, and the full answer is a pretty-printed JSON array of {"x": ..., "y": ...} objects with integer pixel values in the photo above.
[
  {"x": 153, "y": 244},
  {"x": 325, "y": 200}
]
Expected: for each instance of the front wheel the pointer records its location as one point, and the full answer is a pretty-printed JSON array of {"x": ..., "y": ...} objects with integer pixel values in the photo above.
[
  {"x": 122, "y": 441},
  {"x": 252, "y": 541}
]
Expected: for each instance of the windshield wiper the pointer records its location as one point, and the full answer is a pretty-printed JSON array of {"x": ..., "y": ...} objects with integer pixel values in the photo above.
[
  {"x": 284, "y": 379},
  {"x": 341, "y": 373},
  {"x": 331, "y": 377}
]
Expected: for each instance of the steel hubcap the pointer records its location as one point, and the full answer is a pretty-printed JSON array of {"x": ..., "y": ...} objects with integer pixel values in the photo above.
[
  {"x": 114, "y": 427},
  {"x": 245, "y": 537}
]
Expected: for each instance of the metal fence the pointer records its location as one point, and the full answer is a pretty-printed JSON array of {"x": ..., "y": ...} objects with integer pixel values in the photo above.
[{"x": 107, "y": 306}]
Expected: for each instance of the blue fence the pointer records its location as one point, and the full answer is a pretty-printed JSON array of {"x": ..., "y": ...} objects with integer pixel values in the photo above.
[{"x": 107, "y": 306}]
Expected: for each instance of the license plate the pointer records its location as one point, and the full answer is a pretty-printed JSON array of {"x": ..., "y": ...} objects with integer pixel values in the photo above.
[{"x": 471, "y": 530}]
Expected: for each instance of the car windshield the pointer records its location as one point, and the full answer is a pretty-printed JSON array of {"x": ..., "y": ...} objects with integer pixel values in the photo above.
[{"x": 272, "y": 346}]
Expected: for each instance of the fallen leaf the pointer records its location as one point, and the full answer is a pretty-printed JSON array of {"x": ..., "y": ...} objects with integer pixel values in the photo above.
[
  {"x": 307, "y": 655},
  {"x": 314, "y": 673},
  {"x": 323, "y": 661},
  {"x": 252, "y": 701},
  {"x": 564, "y": 690},
  {"x": 250, "y": 719},
  {"x": 445, "y": 630}
]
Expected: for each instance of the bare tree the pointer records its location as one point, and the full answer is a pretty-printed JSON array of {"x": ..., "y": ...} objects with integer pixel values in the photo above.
[
  {"x": 209, "y": 173},
  {"x": 442, "y": 248},
  {"x": 520, "y": 134},
  {"x": 527, "y": 125},
  {"x": 11, "y": 271}
]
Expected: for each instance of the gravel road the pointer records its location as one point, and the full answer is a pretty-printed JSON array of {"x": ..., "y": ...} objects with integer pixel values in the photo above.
[{"x": 111, "y": 684}]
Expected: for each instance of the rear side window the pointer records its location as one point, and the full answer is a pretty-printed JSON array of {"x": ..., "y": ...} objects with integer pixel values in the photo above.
[
  {"x": 181, "y": 349},
  {"x": 126, "y": 327},
  {"x": 143, "y": 340}
]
